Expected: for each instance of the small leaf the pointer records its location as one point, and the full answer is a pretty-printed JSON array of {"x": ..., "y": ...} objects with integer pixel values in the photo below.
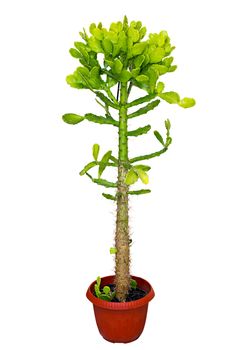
[
  {"x": 187, "y": 102},
  {"x": 87, "y": 167},
  {"x": 71, "y": 118},
  {"x": 131, "y": 177},
  {"x": 74, "y": 53},
  {"x": 168, "y": 124},
  {"x": 168, "y": 141},
  {"x": 107, "y": 45},
  {"x": 133, "y": 284},
  {"x": 106, "y": 290},
  {"x": 139, "y": 192},
  {"x": 109, "y": 196},
  {"x": 139, "y": 131},
  {"x": 139, "y": 48},
  {"x": 157, "y": 55},
  {"x": 133, "y": 34},
  {"x": 142, "y": 175},
  {"x": 117, "y": 67},
  {"x": 98, "y": 34},
  {"x": 95, "y": 151},
  {"x": 160, "y": 87},
  {"x": 138, "y": 61},
  {"x": 159, "y": 137},
  {"x": 113, "y": 250},
  {"x": 142, "y": 78},
  {"x": 142, "y": 167},
  {"x": 103, "y": 162},
  {"x": 170, "y": 97},
  {"x": 97, "y": 291},
  {"x": 125, "y": 76},
  {"x": 98, "y": 280}
]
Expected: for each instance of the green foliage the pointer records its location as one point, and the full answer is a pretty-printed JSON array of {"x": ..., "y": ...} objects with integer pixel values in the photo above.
[
  {"x": 187, "y": 102},
  {"x": 103, "y": 293},
  {"x": 133, "y": 284},
  {"x": 104, "y": 162},
  {"x": 87, "y": 167},
  {"x": 95, "y": 151},
  {"x": 113, "y": 250},
  {"x": 71, "y": 118}
]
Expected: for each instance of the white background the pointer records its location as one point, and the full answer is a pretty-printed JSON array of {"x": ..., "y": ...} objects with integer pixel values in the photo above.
[{"x": 56, "y": 229}]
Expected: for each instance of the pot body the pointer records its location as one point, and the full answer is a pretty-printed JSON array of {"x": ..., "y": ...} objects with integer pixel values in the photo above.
[{"x": 121, "y": 322}]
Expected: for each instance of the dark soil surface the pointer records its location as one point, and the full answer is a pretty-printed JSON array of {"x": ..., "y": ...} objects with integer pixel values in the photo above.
[{"x": 134, "y": 294}]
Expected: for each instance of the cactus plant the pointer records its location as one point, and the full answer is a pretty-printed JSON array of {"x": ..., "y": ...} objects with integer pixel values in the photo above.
[{"x": 113, "y": 62}]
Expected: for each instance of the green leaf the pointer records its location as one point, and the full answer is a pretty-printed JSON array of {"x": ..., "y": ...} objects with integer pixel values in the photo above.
[
  {"x": 82, "y": 49},
  {"x": 97, "y": 291},
  {"x": 170, "y": 97},
  {"x": 109, "y": 196},
  {"x": 139, "y": 48},
  {"x": 159, "y": 137},
  {"x": 103, "y": 162},
  {"x": 172, "y": 68},
  {"x": 144, "y": 110},
  {"x": 98, "y": 280},
  {"x": 168, "y": 141},
  {"x": 142, "y": 175},
  {"x": 98, "y": 34},
  {"x": 142, "y": 78},
  {"x": 125, "y": 76},
  {"x": 104, "y": 183},
  {"x": 95, "y": 45},
  {"x": 157, "y": 55},
  {"x": 187, "y": 102},
  {"x": 142, "y": 32},
  {"x": 107, "y": 45},
  {"x": 133, "y": 284},
  {"x": 131, "y": 177},
  {"x": 142, "y": 167},
  {"x": 113, "y": 250},
  {"x": 95, "y": 151},
  {"x": 138, "y": 61},
  {"x": 71, "y": 118},
  {"x": 139, "y": 131},
  {"x": 106, "y": 290},
  {"x": 162, "y": 38},
  {"x": 74, "y": 53},
  {"x": 139, "y": 192},
  {"x": 160, "y": 87},
  {"x": 117, "y": 66},
  {"x": 168, "y": 124},
  {"x": 160, "y": 69},
  {"x": 87, "y": 167},
  {"x": 135, "y": 72},
  {"x": 133, "y": 34},
  {"x": 168, "y": 61}
]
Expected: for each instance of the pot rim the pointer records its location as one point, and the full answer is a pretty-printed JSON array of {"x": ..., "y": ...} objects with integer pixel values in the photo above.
[{"x": 121, "y": 305}]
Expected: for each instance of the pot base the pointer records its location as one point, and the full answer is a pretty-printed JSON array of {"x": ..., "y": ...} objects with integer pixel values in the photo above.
[{"x": 121, "y": 322}]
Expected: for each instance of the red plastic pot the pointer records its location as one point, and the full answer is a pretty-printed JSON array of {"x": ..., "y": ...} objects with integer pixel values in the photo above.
[{"x": 121, "y": 322}]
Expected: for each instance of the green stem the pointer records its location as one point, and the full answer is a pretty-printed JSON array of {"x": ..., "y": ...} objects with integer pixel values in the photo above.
[{"x": 122, "y": 262}]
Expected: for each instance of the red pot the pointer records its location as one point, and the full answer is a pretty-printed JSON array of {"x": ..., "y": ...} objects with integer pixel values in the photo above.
[{"x": 121, "y": 322}]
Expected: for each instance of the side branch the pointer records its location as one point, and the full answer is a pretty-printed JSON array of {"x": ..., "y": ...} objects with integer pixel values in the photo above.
[
  {"x": 148, "y": 156},
  {"x": 141, "y": 100},
  {"x": 144, "y": 110}
]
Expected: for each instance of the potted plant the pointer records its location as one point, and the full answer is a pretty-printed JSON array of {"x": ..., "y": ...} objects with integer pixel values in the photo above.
[{"x": 113, "y": 63}]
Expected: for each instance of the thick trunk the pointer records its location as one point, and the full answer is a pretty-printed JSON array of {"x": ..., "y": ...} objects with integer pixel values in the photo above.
[{"x": 122, "y": 269}]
